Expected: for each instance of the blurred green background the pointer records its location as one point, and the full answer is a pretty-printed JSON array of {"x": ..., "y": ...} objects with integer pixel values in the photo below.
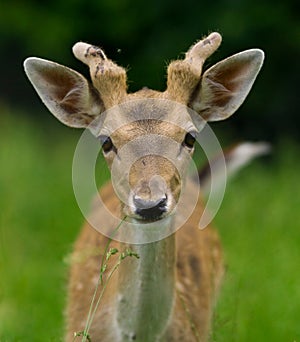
[{"x": 259, "y": 219}]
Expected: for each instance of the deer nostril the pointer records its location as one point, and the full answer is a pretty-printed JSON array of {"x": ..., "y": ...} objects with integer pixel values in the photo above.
[{"x": 150, "y": 209}]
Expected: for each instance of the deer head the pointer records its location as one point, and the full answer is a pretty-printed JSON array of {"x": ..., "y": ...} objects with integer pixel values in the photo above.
[{"x": 147, "y": 137}]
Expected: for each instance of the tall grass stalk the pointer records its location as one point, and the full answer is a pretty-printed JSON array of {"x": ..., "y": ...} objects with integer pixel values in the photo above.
[{"x": 108, "y": 253}]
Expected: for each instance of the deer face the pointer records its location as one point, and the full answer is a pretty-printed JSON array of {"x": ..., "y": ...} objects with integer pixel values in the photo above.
[
  {"x": 148, "y": 150},
  {"x": 147, "y": 137}
]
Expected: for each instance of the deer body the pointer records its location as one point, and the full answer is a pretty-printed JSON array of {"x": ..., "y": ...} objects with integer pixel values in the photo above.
[
  {"x": 168, "y": 293},
  {"x": 181, "y": 292}
]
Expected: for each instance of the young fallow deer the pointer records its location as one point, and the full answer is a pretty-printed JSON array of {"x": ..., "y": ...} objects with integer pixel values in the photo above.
[{"x": 168, "y": 293}]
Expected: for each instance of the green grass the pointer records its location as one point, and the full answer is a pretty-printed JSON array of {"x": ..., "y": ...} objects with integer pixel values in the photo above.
[
  {"x": 258, "y": 222},
  {"x": 39, "y": 220}
]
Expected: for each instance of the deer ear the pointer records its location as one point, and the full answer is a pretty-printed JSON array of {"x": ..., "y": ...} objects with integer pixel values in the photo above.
[
  {"x": 65, "y": 92},
  {"x": 224, "y": 87}
]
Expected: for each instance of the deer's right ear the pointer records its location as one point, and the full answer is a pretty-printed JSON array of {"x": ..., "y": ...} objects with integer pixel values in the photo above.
[
  {"x": 224, "y": 86},
  {"x": 65, "y": 92}
]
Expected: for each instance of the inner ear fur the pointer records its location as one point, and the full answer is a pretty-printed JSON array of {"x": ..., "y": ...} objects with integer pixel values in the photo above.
[
  {"x": 224, "y": 86},
  {"x": 65, "y": 92}
]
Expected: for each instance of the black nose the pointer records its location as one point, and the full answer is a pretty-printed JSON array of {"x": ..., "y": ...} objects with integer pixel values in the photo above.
[{"x": 150, "y": 210}]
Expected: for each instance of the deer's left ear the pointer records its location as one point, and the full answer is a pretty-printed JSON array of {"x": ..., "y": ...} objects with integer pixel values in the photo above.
[
  {"x": 224, "y": 87},
  {"x": 65, "y": 92}
]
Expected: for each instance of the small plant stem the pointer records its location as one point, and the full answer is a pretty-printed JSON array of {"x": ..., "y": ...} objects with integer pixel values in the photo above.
[
  {"x": 101, "y": 295},
  {"x": 107, "y": 246},
  {"x": 100, "y": 281},
  {"x": 122, "y": 256}
]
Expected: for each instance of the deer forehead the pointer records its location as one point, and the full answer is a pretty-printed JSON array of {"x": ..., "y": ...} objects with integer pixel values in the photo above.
[
  {"x": 148, "y": 129},
  {"x": 146, "y": 115}
]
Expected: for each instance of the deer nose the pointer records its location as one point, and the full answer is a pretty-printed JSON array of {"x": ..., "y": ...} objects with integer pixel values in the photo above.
[{"x": 148, "y": 209}]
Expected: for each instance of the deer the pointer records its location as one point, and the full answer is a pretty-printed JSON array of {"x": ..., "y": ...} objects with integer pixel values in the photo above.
[{"x": 168, "y": 293}]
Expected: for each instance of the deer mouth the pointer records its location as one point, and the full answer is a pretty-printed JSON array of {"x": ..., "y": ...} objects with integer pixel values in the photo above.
[{"x": 151, "y": 215}]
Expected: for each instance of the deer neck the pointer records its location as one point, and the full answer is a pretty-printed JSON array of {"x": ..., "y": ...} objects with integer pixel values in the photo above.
[{"x": 146, "y": 290}]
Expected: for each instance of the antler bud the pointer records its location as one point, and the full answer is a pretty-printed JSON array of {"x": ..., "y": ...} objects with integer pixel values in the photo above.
[
  {"x": 107, "y": 77},
  {"x": 184, "y": 75},
  {"x": 199, "y": 52}
]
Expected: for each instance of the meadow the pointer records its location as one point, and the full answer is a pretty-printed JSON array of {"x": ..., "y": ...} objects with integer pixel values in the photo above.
[{"x": 259, "y": 223}]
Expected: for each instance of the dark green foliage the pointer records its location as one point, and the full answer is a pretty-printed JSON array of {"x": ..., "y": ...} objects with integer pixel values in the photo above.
[{"x": 144, "y": 36}]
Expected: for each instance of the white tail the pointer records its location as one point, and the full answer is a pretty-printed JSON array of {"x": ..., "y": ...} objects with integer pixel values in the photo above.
[
  {"x": 236, "y": 157},
  {"x": 147, "y": 139}
]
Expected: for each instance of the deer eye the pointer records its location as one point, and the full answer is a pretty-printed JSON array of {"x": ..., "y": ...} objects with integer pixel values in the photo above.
[
  {"x": 189, "y": 140},
  {"x": 107, "y": 144}
]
